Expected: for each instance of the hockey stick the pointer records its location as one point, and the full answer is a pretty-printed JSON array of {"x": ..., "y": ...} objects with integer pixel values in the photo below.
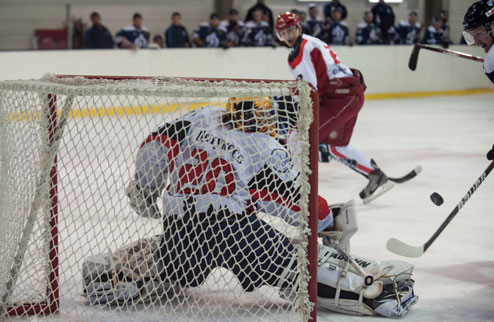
[
  {"x": 368, "y": 278},
  {"x": 398, "y": 247},
  {"x": 412, "y": 62},
  {"x": 410, "y": 175}
]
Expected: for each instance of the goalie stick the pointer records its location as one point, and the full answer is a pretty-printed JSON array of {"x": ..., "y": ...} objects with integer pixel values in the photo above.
[
  {"x": 398, "y": 247},
  {"x": 368, "y": 278},
  {"x": 414, "y": 56},
  {"x": 410, "y": 175}
]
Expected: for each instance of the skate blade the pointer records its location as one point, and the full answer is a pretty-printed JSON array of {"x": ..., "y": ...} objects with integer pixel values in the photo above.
[{"x": 380, "y": 191}]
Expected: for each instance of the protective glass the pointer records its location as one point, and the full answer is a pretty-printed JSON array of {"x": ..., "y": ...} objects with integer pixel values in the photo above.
[
  {"x": 474, "y": 34},
  {"x": 469, "y": 39}
]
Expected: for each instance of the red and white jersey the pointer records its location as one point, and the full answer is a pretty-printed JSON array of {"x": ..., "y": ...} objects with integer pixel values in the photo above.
[
  {"x": 230, "y": 169},
  {"x": 314, "y": 61}
]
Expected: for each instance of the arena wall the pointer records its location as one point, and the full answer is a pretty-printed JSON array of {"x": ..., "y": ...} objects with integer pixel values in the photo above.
[{"x": 385, "y": 68}]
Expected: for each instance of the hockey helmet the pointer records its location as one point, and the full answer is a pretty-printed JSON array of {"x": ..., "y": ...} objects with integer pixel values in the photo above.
[
  {"x": 480, "y": 13},
  {"x": 252, "y": 114},
  {"x": 286, "y": 21}
]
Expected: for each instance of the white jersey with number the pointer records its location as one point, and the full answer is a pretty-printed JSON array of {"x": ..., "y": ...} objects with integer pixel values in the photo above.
[
  {"x": 218, "y": 166},
  {"x": 313, "y": 60}
]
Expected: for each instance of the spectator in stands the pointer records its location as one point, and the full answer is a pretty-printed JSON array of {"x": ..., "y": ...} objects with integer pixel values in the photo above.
[
  {"x": 258, "y": 32},
  {"x": 135, "y": 36},
  {"x": 338, "y": 30},
  {"x": 232, "y": 20},
  {"x": 176, "y": 35},
  {"x": 332, "y": 6},
  {"x": 235, "y": 35},
  {"x": 434, "y": 34},
  {"x": 267, "y": 13},
  {"x": 444, "y": 15},
  {"x": 313, "y": 24},
  {"x": 210, "y": 35},
  {"x": 367, "y": 32},
  {"x": 408, "y": 31},
  {"x": 235, "y": 30},
  {"x": 384, "y": 19},
  {"x": 97, "y": 36},
  {"x": 157, "y": 43},
  {"x": 302, "y": 15}
]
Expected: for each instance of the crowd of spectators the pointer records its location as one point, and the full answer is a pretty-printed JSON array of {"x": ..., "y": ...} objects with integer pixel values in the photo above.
[{"x": 257, "y": 29}]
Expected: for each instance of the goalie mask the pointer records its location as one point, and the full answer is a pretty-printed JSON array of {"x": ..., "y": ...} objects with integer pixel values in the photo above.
[{"x": 251, "y": 114}]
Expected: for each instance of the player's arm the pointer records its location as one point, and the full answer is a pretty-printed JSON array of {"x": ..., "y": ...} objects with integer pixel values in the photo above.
[
  {"x": 155, "y": 160},
  {"x": 276, "y": 190},
  {"x": 312, "y": 61}
]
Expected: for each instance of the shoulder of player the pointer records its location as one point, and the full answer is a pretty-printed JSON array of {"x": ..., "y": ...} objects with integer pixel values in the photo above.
[
  {"x": 404, "y": 23},
  {"x": 344, "y": 24},
  {"x": 362, "y": 25},
  {"x": 431, "y": 29},
  {"x": 250, "y": 24},
  {"x": 489, "y": 60},
  {"x": 224, "y": 23},
  {"x": 313, "y": 42},
  {"x": 264, "y": 144}
]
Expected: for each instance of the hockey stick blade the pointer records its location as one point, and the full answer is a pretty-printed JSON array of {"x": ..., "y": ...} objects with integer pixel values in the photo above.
[
  {"x": 410, "y": 175},
  {"x": 400, "y": 248},
  {"x": 414, "y": 56}
]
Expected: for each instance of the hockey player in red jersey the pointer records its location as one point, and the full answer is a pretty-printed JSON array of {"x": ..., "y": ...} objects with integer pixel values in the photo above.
[
  {"x": 341, "y": 96},
  {"x": 215, "y": 170}
]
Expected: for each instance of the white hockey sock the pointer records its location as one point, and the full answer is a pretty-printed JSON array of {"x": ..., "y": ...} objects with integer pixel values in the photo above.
[{"x": 353, "y": 158}]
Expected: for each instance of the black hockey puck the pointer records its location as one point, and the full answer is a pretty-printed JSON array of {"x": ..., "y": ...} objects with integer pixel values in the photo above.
[{"x": 437, "y": 199}]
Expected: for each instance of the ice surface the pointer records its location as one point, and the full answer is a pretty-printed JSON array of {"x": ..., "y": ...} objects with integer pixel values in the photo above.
[{"x": 449, "y": 137}]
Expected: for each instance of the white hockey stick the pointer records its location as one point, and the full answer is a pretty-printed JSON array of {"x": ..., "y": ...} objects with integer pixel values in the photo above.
[
  {"x": 398, "y": 247},
  {"x": 368, "y": 278}
]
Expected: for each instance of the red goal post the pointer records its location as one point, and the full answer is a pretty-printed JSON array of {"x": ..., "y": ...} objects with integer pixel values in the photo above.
[{"x": 51, "y": 303}]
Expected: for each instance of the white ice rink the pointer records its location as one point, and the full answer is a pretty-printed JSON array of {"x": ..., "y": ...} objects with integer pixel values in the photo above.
[{"x": 449, "y": 138}]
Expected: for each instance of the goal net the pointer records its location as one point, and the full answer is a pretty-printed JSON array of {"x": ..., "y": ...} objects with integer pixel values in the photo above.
[{"x": 154, "y": 198}]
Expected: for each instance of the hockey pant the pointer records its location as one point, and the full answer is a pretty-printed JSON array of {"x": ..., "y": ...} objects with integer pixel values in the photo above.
[
  {"x": 339, "y": 105},
  {"x": 349, "y": 155}
]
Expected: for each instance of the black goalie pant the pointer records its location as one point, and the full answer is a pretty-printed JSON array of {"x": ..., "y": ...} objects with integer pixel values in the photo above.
[{"x": 244, "y": 244}]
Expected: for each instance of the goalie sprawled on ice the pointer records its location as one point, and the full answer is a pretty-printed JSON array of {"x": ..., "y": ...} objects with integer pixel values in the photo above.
[{"x": 220, "y": 168}]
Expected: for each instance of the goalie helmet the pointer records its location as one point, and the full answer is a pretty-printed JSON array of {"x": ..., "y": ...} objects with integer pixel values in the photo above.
[
  {"x": 480, "y": 13},
  {"x": 252, "y": 114}
]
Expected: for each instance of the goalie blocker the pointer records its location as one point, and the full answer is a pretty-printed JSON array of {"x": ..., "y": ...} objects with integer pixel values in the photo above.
[{"x": 143, "y": 270}]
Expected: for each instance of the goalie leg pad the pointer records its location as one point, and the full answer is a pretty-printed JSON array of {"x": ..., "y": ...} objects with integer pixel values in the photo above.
[{"x": 342, "y": 289}]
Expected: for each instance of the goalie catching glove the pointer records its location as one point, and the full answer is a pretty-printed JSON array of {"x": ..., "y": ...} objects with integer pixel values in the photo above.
[{"x": 128, "y": 275}]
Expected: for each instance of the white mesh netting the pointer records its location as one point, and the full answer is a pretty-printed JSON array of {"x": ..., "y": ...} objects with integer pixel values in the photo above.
[{"x": 150, "y": 199}]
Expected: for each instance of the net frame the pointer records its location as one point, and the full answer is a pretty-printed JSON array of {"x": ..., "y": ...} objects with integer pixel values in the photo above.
[{"x": 52, "y": 304}]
